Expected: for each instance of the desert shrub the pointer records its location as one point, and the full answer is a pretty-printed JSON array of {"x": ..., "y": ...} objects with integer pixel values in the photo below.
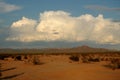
[
  {"x": 25, "y": 57},
  {"x": 74, "y": 58},
  {"x": 0, "y": 71},
  {"x": 2, "y": 57},
  {"x": 85, "y": 60},
  {"x": 94, "y": 59},
  {"x": 36, "y": 60},
  {"x": 114, "y": 64},
  {"x": 18, "y": 58},
  {"x": 90, "y": 58},
  {"x": 102, "y": 59}
]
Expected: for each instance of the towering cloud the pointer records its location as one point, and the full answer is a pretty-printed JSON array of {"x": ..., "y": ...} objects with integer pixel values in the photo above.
[{"x": 60, "y": 25}]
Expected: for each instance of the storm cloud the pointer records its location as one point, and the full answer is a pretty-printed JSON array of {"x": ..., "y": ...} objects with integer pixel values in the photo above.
[{"x": 61, "y": 26}]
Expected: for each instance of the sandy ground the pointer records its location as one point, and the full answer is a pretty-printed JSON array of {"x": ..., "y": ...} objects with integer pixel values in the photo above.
[{"x": 57, "y": 68}]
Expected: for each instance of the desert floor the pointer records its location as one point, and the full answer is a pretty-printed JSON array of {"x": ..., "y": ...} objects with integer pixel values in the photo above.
[{"x": 57, "y": 67}]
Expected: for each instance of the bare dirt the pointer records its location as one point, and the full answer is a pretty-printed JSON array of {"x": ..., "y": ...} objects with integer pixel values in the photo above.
[{"x": 57, "y": 67}]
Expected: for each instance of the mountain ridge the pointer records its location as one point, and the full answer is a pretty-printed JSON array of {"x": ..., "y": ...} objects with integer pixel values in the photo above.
[{"x": 78, "y": 49}]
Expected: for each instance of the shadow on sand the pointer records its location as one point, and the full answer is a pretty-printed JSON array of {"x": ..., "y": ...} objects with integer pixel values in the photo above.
[
  {"x": 12, "y": 76},
  {"x": 8, "y": 69},
  {"x": 8, "y": 77}
]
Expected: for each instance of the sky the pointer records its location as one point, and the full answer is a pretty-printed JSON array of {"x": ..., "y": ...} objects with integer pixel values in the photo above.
[{"x": 59, "y": 23}]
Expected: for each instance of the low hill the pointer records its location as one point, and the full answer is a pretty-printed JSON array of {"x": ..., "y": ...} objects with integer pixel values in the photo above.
[{"x": 89, "y": 49}]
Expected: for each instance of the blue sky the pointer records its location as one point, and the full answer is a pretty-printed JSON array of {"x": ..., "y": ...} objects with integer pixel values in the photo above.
[
  {"x": 32, "y": 8},
  {"x": 12, "y": 11}
]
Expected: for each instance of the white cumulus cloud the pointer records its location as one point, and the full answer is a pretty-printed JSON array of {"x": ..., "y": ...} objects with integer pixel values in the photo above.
[
  {"x": 60, "y": 25},
  {"x": 5, "y": 7}
]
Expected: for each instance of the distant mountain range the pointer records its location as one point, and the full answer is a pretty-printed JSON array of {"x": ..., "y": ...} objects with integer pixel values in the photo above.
[
  {"x": 80, "y": 49},
  {"x": 90, "y": 49}
]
